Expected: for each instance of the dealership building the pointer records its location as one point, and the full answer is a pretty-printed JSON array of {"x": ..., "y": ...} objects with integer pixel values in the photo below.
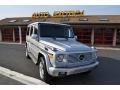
[{"x": 99, "y": 30}]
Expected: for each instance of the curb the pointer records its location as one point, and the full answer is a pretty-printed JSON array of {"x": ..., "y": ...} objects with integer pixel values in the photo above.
[{"x": 20, "y": 77}]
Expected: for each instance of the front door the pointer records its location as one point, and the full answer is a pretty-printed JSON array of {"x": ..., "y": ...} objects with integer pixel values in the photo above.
[
  {"x": 7, "y": 34},
  {"x": 34, "y": 43},
  {"x": 118, "y": 37},
  {"x": 83, "y": 35},
  {"x": 103, "y": 36}
]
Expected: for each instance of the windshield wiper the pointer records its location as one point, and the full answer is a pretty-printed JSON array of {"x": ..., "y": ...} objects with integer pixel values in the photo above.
[
  {"x": 60, "y": 37},
  {"x": 54, "y": 38}
]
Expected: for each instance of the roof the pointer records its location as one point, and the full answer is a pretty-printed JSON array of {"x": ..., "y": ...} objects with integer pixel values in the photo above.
[
  {"x": 88, "y": 19},
  {"x": 48, "y": 23}
]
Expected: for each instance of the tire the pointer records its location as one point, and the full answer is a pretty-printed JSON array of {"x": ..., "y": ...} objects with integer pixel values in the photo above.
[
  {"x": 26, "y": 54},
  {"x": 87, "y": 72},
  {"x": 44, "y": 76}
]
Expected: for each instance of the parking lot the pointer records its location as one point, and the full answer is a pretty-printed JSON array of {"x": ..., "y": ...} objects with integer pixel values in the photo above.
[{"x": 13, "y": 57}]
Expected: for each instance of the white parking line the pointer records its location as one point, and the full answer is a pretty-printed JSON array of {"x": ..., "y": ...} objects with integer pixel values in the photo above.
[
  {"x": 108, "y": 48},
  {"x": 12, "y": 43},
  {"x": 104, "y": 48},
  {"x": 20, "y": 77}
]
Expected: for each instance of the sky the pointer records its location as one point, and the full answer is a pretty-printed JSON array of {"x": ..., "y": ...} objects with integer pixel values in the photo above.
[{"x": 7, "y": 11}]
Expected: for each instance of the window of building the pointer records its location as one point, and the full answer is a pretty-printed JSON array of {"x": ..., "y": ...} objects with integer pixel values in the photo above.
[
  {"x": 103, "y": 19},
  {"x": 83, "y": 19},
  {"x": 26, "y": 20},
  {"x": 11, "y": 21}
]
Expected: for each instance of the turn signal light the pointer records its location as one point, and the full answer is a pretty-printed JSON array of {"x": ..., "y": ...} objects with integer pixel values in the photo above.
[{"x": 50, "y": 56}]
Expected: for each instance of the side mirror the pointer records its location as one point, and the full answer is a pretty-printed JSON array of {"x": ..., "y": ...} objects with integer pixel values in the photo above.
[
  {"x": 76, "y": 37},
  {"x": 34, "y": 36}
]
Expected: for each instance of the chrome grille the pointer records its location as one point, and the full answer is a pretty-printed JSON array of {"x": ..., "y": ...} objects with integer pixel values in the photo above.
[{"x": 75, "y": 57}]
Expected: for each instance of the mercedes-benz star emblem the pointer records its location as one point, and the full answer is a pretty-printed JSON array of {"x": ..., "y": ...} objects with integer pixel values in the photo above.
[{"x": 81, "y": 57}]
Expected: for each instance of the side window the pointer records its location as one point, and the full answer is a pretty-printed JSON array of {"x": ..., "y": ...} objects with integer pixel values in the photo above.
[
  {"x": 35, "y": 30},
  {"x": 31, "y": 31},
  {"x": 28, "y": 29}
]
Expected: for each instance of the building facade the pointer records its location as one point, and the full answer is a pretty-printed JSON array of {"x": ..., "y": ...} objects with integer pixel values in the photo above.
[{"x": 99, "y": 30}]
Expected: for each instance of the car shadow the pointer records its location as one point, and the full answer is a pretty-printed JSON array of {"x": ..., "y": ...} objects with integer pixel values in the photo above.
[{"x": 107, "y": 73}]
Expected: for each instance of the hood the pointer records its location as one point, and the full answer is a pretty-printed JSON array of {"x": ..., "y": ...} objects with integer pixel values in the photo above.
[{"x": 66, "y": 45}]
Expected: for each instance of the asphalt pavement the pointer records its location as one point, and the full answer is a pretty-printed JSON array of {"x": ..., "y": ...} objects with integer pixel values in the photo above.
[
  {"x": 107, "y": 73},
  {"x": 8, "y": 81}
]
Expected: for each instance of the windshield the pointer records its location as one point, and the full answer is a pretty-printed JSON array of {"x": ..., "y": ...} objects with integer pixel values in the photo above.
[{"x": 56, "y": 31}]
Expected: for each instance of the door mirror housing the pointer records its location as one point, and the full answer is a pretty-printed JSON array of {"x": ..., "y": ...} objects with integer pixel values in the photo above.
[{"x": 76, "y": 37}]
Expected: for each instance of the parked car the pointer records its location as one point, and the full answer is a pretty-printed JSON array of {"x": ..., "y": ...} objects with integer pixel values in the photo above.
[{"x": 55, "y": 49}]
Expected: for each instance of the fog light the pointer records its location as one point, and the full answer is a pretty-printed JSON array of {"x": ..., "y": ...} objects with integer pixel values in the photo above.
[{"x": 62, "y": 73}]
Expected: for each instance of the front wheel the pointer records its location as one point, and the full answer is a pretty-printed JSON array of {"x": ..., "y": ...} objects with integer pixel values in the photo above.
[
  {"x": 87, "y": 72},
  {"x": 44, "y": 76}
]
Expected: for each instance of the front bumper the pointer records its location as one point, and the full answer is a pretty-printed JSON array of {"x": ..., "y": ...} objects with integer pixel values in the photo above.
[{"x": 69, "y": 71}]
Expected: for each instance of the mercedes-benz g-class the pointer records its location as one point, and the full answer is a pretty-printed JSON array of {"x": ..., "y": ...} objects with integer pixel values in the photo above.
[{"x": 55, "y": 49}]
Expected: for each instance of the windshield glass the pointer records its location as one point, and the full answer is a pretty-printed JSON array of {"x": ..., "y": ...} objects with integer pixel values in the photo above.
[{"x": 56, "y": 31}]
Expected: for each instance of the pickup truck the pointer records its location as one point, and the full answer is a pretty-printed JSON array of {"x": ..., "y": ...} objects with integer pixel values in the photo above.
[{"x": 54, "y": 48}]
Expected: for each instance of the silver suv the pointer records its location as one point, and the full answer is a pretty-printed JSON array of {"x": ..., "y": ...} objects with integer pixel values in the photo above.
[{"x": 54, "y": 48}]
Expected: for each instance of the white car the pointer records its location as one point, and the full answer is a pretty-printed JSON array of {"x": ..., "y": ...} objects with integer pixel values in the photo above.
[{"x": 54, "y": 48}]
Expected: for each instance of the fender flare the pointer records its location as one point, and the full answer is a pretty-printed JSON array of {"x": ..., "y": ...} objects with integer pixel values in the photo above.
[{"x": 47, "y": 62}]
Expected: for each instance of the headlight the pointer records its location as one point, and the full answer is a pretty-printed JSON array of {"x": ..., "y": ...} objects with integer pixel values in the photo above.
[
  {"x": 60, "y": 57},
  {"x": 93, "y": 48},
  {"x": 94, "y": 54}
]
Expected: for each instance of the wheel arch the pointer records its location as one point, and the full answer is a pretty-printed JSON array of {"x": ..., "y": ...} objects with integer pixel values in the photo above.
[
  {"x": 41, "y": 55},
  {"x": 47, "y": 61}
]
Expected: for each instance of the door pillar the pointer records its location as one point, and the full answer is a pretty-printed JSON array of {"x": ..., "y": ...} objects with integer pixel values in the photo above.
[
  {"x": 20, "y": 34},
  {"x": 92, "y": 37},
  {"x": 0, "y": 35},
  {"x": 114, "y": 37},
  {"x": 13, "y": 35}
]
